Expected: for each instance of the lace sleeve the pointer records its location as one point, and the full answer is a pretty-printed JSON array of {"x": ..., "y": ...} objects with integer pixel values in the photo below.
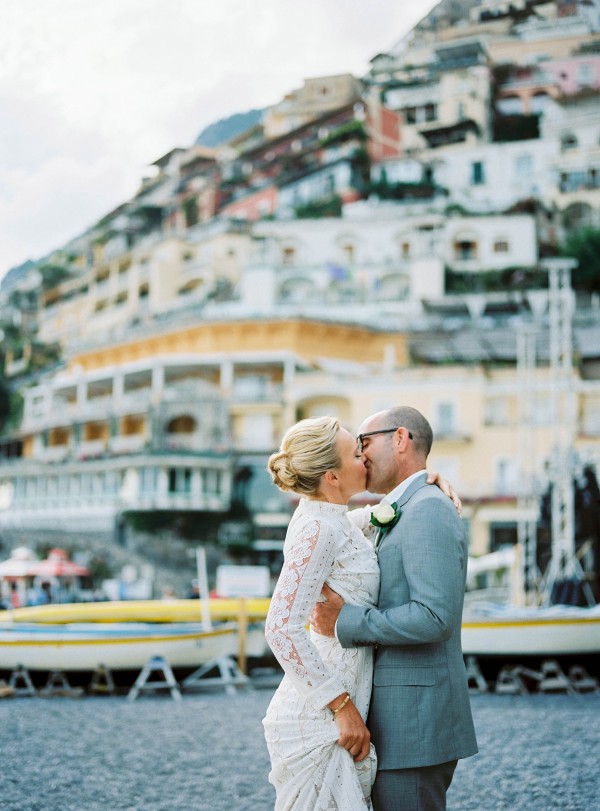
[
  {"x": 361, "y": 517},
  {"x": 307, "y": 565}
]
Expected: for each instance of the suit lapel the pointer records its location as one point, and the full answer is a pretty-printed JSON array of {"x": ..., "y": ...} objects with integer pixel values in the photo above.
[{"x": 420, "y": 481}]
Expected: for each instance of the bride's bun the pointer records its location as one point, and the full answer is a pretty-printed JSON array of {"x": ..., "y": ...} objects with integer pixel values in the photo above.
[
  {"x": 308, "y": 449},
  {"x": 282, "y": 471}
]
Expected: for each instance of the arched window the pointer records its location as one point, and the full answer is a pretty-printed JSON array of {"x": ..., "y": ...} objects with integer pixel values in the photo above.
[
  {"x": 183, "y": 424},
  {"x": 578, "y": 215},
  {"x": 465, "y": 246}
]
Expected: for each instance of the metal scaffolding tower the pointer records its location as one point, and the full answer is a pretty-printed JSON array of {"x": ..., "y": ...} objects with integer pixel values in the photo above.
[
  {"x": 528, "y": 499},
  {"x": 563, "y": 564}
]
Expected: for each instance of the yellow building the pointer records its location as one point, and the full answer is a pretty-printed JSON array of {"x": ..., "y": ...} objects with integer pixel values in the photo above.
[{"x": 184, "y": 418}]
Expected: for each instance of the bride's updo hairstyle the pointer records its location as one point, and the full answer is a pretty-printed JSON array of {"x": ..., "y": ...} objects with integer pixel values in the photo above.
[{"x": 308, "y": 450}]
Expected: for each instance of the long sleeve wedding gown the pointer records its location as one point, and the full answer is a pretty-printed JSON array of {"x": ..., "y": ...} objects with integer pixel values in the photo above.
[{"x": 310, "y": 771}]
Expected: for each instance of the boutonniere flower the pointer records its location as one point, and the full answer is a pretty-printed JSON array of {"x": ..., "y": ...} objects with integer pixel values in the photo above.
[{"x": 385, "y": 516}]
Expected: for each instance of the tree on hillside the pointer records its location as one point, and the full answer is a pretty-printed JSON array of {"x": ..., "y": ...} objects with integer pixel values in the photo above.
[{"x": 584, "y": 246}]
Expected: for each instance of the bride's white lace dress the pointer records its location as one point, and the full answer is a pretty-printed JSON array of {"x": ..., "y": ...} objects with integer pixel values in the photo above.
[{"x": 310, "y": 771}]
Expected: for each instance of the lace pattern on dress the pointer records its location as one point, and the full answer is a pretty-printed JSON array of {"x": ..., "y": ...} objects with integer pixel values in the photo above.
[{"x": 307, "y": 564}]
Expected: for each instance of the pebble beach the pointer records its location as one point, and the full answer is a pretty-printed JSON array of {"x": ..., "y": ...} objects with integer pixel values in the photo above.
[{"x": 207, "y": 753}]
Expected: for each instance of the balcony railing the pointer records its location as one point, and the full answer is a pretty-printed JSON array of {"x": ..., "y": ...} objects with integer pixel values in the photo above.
[
  {"x": 127, "y": 444},
  {"x": 55, "y": 453},
  {"x": 91, "y": 447},
  {"x": 452, "y": 433}
]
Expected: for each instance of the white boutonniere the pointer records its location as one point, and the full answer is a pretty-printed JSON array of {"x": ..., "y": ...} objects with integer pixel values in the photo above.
[{"x": 385, "y": 516}]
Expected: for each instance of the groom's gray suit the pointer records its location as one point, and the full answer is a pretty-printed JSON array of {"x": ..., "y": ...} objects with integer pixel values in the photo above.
[{"x": 420, "y": 711}]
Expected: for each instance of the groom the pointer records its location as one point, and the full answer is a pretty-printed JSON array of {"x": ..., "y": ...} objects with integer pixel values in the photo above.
[{"x": 420, "y": 717}]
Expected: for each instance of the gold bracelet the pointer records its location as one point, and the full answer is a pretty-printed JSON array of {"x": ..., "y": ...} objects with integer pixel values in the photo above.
[{"x": 342, "y": 705}]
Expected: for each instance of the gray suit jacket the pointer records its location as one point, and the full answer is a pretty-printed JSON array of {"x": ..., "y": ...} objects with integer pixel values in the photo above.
[{"x": 420, "y": 711}]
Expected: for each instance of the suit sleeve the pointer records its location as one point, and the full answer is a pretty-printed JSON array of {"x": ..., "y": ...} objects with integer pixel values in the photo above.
[{"x": 427, "y": 549}]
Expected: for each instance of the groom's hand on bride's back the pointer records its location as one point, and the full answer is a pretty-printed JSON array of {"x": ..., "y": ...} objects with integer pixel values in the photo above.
[
  {"x": 446, "y": 488},
  {"x": 325, "y": 613}
]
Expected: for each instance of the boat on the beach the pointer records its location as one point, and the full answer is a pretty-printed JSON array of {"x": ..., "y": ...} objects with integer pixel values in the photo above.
[
  {"x": 507, "y": 631},
  {"x": 116, "y": 645},
  {"x": 151, "y": 611},
  {"x": 123, "y": 635}
]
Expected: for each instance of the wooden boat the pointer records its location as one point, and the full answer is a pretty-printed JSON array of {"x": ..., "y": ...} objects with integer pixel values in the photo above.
[
  {"x": 556, "y": 631},
  {"x": 118, "y": 646},
  {"x": 221, "y": 609}
]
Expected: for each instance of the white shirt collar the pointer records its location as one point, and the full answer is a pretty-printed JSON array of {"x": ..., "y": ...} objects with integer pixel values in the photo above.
[{"x": 395, "y": 494}]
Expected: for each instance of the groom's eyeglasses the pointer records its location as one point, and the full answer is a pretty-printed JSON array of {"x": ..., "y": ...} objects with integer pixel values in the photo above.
[{"x": 360, "y": 439}]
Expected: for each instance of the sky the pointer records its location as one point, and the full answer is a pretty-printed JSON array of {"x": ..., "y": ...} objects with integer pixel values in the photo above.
[{"x": 93, "y": 91}]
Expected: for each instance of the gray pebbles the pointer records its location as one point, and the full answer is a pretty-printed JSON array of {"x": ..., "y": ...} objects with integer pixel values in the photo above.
[{"x": 207, "y": 753}]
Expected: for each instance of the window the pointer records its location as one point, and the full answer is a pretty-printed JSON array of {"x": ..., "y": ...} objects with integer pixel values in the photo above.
[
  {"x": 430, "y": 112},
  {"x": 410, "y": 114},
  {"x": 445, "y": 419},
  {"x": 501, "y": 245},
  {"x": 477, "y": 173},
  {"x": 523, "y": 167},
  {"x": 405, "y": 250},
  {"x": 289, "y": 256},
  {"x": 148, "y": 480},
  {"x": 348, "y": 251},
  {"x": 502, "y": 534},
  {"x": 585, "y": 75},
  {"x": 465, "y": 249},
  {"x": 256, "y": 431},
  {"x": 496, "y": 411},
  {"x": 180, "y": 480},
  {"x": 506, "y": 477},
  {"x": 568, "y": 141}
]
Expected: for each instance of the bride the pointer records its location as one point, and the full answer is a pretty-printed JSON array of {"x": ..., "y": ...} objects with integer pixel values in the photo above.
[
  {"x": 321, "y": 755},
  {"x": 319, "y": 745}
]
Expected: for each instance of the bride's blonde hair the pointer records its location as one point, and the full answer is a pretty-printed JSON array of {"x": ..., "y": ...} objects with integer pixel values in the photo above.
[{"x": 308, "y": 449}]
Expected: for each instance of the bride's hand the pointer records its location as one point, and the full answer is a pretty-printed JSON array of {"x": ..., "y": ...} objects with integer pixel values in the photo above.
[
  {"x": 446, "y": 488},
  {"x": 354, "y": 735}
]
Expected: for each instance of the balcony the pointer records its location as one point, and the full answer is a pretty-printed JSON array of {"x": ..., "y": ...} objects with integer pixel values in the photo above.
[
  {"x": 55, "y": 453},
  {"x": 452, "y": 433},
  {"x": 579, "y": 184},
  {"x": 132, "y": 443},
  {"x": 91, "y": 448},
  {"x": 256, "y": 391}
]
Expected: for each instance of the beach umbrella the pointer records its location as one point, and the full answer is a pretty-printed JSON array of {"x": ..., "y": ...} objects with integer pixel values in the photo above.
[
  {"x": 57, "y": 564},
  {"x": 20, "y": 563}
]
